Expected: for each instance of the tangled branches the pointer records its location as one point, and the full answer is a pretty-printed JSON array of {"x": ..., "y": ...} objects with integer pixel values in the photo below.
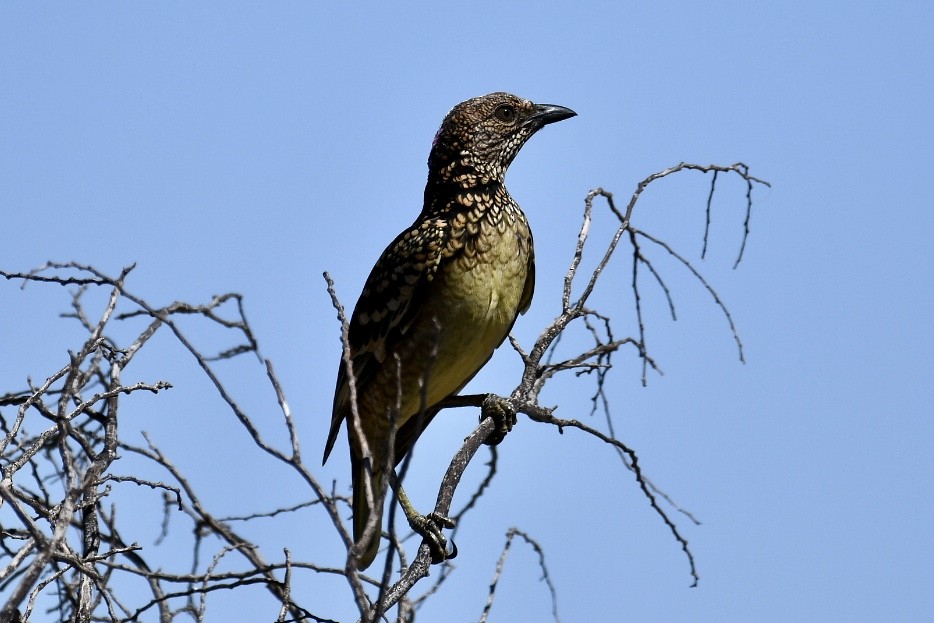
[{"x": 67, "y": 546}]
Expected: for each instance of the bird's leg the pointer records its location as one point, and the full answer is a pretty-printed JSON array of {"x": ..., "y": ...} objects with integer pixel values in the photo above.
[
  {"x": 429, "y": 526},
  {"x": 503, "y": 414}
]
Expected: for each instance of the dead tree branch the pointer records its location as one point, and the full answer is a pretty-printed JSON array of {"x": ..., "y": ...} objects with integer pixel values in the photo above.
[{"x": 68, "y": 548}]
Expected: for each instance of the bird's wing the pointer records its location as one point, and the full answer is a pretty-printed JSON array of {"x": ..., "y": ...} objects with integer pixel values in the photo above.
[
  {"x": 391, "y": 298},
  {"x": 525, "y": 301}
]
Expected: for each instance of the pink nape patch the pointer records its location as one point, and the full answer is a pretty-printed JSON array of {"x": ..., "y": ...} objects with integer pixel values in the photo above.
[{"x": 434, "y": 141}]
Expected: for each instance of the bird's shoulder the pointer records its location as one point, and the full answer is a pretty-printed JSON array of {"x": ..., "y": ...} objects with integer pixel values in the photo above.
[{"x": 401, "y": 277}]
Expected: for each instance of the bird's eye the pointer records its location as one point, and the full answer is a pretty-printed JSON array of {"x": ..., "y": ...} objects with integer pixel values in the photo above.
[{"x": 505, "y": 113}]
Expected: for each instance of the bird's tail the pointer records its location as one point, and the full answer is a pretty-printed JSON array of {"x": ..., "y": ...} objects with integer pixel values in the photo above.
[{"x": 362, "y": 511}]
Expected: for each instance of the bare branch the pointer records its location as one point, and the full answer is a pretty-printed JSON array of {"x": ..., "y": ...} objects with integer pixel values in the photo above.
[
  {"x": 62, "y": 441},
  {"x": 500, "y": 564}
]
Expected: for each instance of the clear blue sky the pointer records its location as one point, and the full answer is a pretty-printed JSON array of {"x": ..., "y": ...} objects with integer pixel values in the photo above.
[{"x": 249, "y": 147}]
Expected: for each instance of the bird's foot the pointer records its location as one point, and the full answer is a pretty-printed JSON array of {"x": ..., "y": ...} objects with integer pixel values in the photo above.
[
  {"x": 503, "y": 414},
  {"x": 430, "y": 526}
]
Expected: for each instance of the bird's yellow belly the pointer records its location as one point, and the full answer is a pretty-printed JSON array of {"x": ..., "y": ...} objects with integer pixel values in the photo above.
[{"x": 476, "y": 303}]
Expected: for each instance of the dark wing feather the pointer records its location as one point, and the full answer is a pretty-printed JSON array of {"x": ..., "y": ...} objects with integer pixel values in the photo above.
[
  {"x": 529, "y": 289},
  {"x": 391, "y": 298}
]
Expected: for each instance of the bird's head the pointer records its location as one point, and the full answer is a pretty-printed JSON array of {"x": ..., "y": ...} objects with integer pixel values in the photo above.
[{"x": 481, "y": 136}]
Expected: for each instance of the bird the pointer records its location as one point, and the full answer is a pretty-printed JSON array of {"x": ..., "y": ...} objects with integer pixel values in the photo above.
[{"x": 440, "y": 299}]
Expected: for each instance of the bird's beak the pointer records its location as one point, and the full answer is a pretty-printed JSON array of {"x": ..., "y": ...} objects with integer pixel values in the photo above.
[{"x": 549, "y": 113}]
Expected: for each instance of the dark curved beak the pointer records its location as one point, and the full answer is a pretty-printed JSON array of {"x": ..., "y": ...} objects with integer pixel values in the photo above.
[{"x": 550, "y": 113}]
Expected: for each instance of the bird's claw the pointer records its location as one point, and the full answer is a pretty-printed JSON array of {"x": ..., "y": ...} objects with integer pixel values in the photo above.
[
  {"x": 430, "y": 526},
  {"x": 503, "y": 415}
]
